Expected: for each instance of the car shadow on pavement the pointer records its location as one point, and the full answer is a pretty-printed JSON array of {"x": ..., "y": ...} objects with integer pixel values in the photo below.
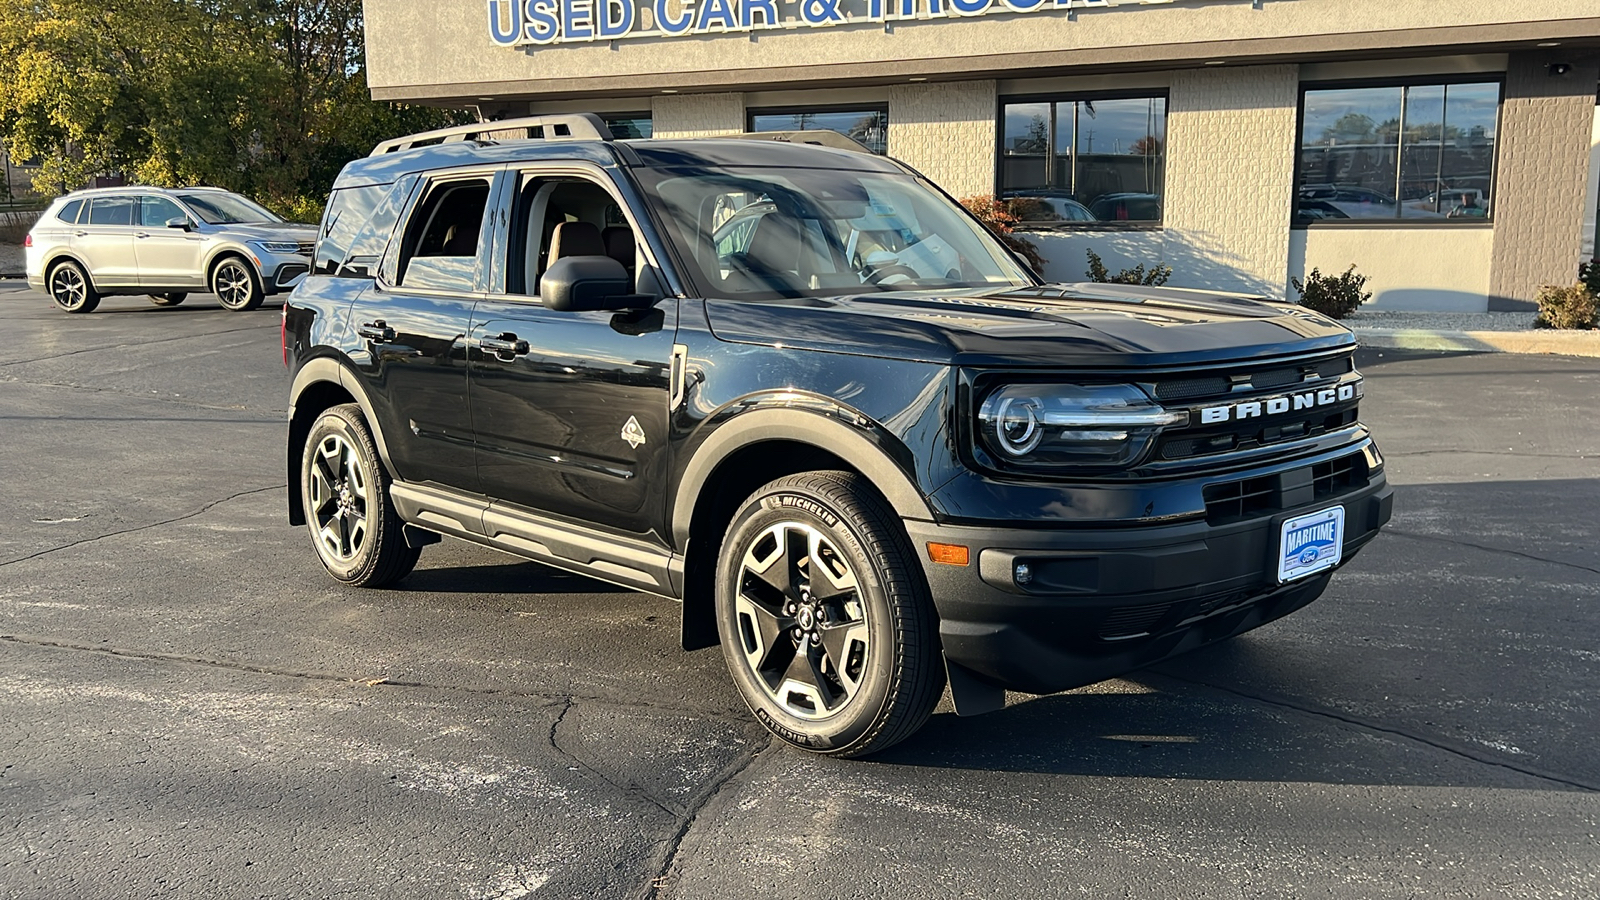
[{"x": 509, "y": 578}]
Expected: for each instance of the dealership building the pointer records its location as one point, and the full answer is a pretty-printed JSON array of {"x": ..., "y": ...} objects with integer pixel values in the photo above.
[{"x": 1450, "y": 149}]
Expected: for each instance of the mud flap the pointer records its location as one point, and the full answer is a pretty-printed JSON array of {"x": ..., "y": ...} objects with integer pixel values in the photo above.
[{"x": 972, "y": 695}]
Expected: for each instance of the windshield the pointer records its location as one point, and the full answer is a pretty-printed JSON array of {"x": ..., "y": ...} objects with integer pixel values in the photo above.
[
  {"x": 767, "y": 233},
  {"x": 217, "y": 208}
]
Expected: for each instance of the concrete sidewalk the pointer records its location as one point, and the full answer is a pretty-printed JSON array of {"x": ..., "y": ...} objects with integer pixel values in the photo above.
[{"x": 1494, "y": 332}]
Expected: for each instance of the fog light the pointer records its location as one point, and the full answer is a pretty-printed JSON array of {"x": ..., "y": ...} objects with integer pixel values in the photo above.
[{"x": 1022, "y": 574}]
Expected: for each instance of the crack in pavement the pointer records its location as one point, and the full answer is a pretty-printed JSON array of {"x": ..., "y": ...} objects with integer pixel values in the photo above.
[
  {"x": 186, "y": 337},
  {"x": 267, "y": 415},
  {"x": 380, "y": 681},
  {"x": 111, "y": 534},
  {"x": 1465, "y": 751},
  {"x": 668, "y": 855},
  {"x": 1487, "y": 549},
  {"x": 626, "y": 789}
]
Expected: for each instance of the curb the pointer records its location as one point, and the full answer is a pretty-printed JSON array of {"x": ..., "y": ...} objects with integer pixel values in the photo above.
[{"x": 1564, "y": 343}]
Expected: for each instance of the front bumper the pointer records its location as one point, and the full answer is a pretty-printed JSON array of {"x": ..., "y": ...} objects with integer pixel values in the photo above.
[
  {"x": 1105, "y": 601},
  {"x": 282, "y": 272}
]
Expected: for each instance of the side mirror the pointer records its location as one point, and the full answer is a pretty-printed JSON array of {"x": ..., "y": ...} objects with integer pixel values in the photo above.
[
  {"x": 585, "y": 283},
  {"x": 179, "y": 223}
]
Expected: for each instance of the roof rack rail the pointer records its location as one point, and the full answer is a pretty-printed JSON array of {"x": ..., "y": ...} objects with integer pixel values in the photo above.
[
  {"x": 821, "y": 138},
  {"x": 570, "y": 127}
]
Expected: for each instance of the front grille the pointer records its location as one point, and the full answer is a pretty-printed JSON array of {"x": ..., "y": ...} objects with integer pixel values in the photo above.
[
  {"x": 1132, "y": 622},
  {"x": 306, "y": 247},
  {"x": 1191, "y": 388},
  {"x": 1248, "y": 498}
]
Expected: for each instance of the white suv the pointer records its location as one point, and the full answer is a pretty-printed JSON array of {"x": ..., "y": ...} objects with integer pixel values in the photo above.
[{"x": 164, "y": 243}]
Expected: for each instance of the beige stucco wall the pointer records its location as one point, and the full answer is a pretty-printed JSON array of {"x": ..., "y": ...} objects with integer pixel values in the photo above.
[
  {"x": 947, "y": 132},
  {"x": 1444, "y": 269},
  {"x": 1543, "y": 172},
  {"x": 427, "y": 48},
  {"x": 697, "y": 115}
]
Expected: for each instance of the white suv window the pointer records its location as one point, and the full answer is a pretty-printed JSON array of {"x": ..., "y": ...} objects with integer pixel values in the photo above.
[{"x": 111, "y": 211}]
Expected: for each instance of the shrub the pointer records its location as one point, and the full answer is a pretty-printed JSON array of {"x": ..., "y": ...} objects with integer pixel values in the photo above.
[
  {"x": 14, "y": 226},
  {"x": 1589, "y": 274},
  {"x": 1333, "y": 296},
  {"x": 1571, "y": 306},
  {"x": 1002, "y": 220},
  {"x": 1157, "y": 276}
]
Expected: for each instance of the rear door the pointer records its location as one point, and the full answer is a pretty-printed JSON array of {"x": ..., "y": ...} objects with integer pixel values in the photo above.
[
  {"x": 570, "y": 409},
  {"x": 104, "y": 241},
  {"x": 412, "y": 329},
  {"x": 167, "y": 257}
]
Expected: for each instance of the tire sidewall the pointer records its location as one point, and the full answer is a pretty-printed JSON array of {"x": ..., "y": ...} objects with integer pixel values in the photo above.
[
  {"x": 256, "y": 295},
  {"x": 337, "y": 422},
  {"x": 857, "y": 719}
]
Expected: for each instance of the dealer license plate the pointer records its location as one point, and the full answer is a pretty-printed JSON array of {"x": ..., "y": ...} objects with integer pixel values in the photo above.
[{"x": 1311, "y": 543}]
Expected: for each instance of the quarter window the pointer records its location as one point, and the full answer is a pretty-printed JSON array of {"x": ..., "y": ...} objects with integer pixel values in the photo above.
[
  {"x": 867, "y": 125},
  {"x": 1072, "y": 161},
  {"x": 1420, "y": 152},
  {"x": 69, "y": 213}
]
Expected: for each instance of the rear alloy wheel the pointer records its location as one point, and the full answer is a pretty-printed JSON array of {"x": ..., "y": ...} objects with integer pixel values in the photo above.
[
  {"x": 826, "y": 627},
  {"x": 235, "y": 284},
  {"x": 70, "y": 288},
  {"x": 346, "y": 495},
  {"x": 171, "y": 298}
]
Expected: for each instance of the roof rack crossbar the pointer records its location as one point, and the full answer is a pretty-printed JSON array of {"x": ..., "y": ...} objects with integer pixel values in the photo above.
[
  {"x": 570, "y": 127},
  {"x": 820, "y": 137}
]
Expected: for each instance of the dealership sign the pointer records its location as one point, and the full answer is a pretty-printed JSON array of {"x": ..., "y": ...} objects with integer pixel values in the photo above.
[{"x": 539, "y": 22}]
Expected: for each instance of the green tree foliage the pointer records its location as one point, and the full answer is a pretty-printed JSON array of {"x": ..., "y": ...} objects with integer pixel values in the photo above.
[{"x": 264, "y": 97}]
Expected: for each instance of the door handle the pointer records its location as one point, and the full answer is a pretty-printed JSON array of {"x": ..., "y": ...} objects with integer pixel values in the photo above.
[
  {"x": 378, "y": 331},
  {"x": 505, "y": 345},
  {"x": 80, "y": 234},
  {"x": 141, "y": 234}
]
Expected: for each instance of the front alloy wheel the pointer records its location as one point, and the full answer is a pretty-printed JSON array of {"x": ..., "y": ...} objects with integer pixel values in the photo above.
[
  {"x": 235, "y": 285},
  {"x": 71, "y": 290},
  {"x": 345, "y": 492},
  {"x": 826, "y": 625}
]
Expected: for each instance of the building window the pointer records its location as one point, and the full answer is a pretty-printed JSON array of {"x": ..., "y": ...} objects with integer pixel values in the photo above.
[
  {"x": 1084, "y": 160},
  {"x": 629, "y": 125},
  {"x": 866, "y": 124},
  {"x": 1414, "y": 152}
]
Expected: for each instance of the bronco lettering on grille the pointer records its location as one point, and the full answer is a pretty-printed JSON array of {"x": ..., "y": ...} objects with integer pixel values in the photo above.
[{"x": 1272, "y": 406}]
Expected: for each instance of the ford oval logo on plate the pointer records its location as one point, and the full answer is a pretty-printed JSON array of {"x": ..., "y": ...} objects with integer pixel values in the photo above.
[{"x": 1311, "y": 543}]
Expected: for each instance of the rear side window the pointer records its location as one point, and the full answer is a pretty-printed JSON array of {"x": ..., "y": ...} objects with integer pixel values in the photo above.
[
  {"x": 111, "y": 210},
  {"x": 69, "y": 213},
  {"x": 440, "y": 250},
  {"x": 357, "y": 227}
]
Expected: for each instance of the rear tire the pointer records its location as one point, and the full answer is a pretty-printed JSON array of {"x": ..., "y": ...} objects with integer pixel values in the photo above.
[
  {"x": 826, "y": 625},
  {"x": 236, "y": 286},
  {"x": 345, "y": 490},
  {"x": 171, "y": 298},
  {"x": 71, "y": 288}
]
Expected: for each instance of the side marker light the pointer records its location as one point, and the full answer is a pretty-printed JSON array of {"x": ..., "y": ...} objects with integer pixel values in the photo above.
[{"x": 949, "y": 554}]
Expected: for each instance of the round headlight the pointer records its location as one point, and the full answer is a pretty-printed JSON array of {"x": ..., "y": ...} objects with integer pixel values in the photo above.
[{"x": 1016, "y": 425}]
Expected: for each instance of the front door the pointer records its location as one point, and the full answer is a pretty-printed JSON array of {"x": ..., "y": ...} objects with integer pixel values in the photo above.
[
  {"x": 105, "y": 243},
  {"x": 570, "y": 409},
  {"x": 167, "y": 257},
  {"x": 413, "y": 325}
]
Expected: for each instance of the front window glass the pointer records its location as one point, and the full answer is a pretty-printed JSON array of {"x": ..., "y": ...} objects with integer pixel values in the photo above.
[
  {"x": 869, "y": 127},
  {"x": 156, "y": 212},
  {"x": 1419, "y": 152},
  {"x": 218, "y": 208},
  {"x": 819, "y": 233}
]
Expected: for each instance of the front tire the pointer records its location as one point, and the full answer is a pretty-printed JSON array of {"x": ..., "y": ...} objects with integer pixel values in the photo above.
[
  {"x": 236, "y": 285},
  {"x": 71, "y": 288},
  {"x": 345, "y": 490},
  {"x": 171, "y": 298},
  {"x": 826, "y": 626}
]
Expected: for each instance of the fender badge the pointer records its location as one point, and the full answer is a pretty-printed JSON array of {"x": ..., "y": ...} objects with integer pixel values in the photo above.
[{"x": 632, "y": 433}]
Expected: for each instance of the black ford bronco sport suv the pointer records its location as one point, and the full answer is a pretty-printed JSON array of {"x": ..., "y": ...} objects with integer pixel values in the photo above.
[{"x": 801, "y": 390}]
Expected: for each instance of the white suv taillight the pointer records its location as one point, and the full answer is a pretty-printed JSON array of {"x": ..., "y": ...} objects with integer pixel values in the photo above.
[{"x": 28, "y": 241}]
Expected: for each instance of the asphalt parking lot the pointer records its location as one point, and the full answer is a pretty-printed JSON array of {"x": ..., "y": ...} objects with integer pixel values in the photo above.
[{"x": 189, "y": 707}]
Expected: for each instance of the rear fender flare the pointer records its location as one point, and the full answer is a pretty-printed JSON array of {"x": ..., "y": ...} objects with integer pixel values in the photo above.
[{"x": 323, "y": 370}]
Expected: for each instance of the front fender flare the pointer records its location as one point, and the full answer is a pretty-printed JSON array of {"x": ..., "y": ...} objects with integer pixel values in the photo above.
[{"x": 868, "y": 448}]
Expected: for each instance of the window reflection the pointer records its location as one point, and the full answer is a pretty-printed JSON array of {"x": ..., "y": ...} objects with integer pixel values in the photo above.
[{"x": 1084, "y": 160}]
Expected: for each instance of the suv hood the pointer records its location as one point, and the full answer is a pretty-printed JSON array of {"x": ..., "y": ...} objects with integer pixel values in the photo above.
[
  {"x": 270, "y": 231},
  {"x": 1091, "y": 325}
]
